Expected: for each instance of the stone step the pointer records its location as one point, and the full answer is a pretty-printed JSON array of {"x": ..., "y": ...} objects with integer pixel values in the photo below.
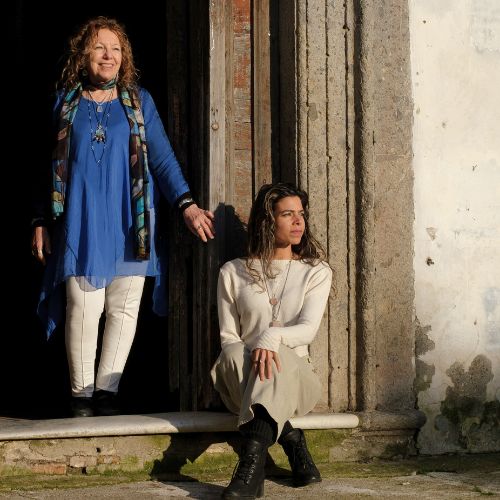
[
  {"x": 197, "y": 444},
  {"x": 159, "y": 423}
]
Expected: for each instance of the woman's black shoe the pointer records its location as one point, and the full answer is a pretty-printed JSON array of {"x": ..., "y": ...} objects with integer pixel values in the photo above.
[
  {"x": 81, "y": 407},
  {"x": 304, "y": 471},
  {"x": 105, "y": 403},
  {"x": 248, "y": 476}
]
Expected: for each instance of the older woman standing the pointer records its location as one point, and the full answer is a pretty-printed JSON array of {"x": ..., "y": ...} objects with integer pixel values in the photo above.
[
  {"x": 111, "y": 158},
  {"x": 270, "y": 308}
]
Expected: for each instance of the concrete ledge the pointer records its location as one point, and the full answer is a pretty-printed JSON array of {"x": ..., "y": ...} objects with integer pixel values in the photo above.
[{"x": 159, "y": 423}]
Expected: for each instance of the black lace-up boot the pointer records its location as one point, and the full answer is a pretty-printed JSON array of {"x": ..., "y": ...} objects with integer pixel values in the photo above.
[
  {"x": 81, "y": 407},
  {"x": 248, "y": 476},
  {"x": 304, "y": 471},
  {"x": 106, "y": 403}
]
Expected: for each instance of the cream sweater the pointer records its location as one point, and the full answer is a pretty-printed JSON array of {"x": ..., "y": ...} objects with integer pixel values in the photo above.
[{"x": 245, "y": 311}]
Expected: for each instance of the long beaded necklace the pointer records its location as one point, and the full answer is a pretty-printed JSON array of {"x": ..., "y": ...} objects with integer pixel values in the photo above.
[
  {"x": 274, "y": 301},
  {"x": 99, "y": 135}
]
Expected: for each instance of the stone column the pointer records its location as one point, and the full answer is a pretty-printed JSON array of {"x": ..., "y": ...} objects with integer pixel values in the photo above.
[
  {"x": 353, "y": 143},
  {"x": 324, "y": 133}
]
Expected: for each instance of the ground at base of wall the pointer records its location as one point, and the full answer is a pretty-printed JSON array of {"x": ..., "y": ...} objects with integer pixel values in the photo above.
[{"x": 450, "y": 476}]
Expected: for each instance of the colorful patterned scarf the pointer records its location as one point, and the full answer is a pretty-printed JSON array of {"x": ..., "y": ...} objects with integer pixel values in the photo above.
[{"x": 138, "y": 154}]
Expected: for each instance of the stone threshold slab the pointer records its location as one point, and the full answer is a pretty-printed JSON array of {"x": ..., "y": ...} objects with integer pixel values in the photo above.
[{"x": 156, "y": 423}]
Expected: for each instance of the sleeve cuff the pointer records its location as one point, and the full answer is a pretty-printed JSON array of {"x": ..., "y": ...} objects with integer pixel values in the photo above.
[
  {"x": 38, "y": 221},
  {"x": 268, "y": 340}
]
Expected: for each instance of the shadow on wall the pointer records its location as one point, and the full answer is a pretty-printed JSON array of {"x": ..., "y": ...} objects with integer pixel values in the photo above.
[
  {"x": 423, "y": 371},
  {"x": 178, "y": 462},
  {"x": 467, "y": 419},
  {"x": 189, "y": 456},
  {"x": 236, "y": 235}
]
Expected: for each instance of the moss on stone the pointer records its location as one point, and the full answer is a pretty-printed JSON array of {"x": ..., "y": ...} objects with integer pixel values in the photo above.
[
  {"x": 219, "y": 467},
  {"x": 208, "y": 466},
  {"x": 9, "y": 471},
  {"x": 320, "y": 442},
  {"x": 38, "y": 482},
  {"x": 43, "y": 443},
  {"x": 129, "y": 460},
  {"x": 160, "y": 441}
]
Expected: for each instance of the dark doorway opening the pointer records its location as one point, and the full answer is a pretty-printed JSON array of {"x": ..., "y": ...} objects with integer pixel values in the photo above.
[{"x": 34, "y": 370}]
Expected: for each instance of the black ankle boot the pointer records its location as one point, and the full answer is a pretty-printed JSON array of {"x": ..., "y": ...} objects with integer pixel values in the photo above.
[
  {"x": 81, "y": 407},
  {"x": 304, "y": 471},
  {"x": 248, "y": 476},
  {"x": 105, "y": 403}
]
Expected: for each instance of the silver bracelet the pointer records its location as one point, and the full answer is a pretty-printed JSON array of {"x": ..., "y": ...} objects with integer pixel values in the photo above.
[{"x": 184, "y": 201}]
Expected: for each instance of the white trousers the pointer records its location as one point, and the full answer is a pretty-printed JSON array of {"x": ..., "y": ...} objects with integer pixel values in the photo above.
[{"x": 121, "y": 300}]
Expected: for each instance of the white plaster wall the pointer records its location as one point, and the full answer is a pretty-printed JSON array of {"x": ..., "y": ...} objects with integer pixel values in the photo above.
[{"x": 455, "y": 57}]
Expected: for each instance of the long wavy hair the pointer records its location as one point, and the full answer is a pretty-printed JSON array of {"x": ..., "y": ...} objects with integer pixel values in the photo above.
[
  {"x": 80, "y": 45},
  {"x": 261, "y": 230}
]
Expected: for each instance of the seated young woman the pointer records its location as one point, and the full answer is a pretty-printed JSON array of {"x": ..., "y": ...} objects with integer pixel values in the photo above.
[{"x": 270, "y": 306}]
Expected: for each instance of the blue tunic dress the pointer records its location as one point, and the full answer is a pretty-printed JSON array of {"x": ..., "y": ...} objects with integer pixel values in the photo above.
[{"x": 95, "y": 237}]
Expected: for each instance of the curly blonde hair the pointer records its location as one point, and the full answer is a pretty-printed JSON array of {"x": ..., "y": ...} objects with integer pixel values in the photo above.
[
  {"x": 80, "y": 45},
  {"x": 261, "y": 230}
]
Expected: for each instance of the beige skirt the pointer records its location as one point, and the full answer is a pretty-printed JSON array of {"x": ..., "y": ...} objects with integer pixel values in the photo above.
[{"x": 293, "y": 392}]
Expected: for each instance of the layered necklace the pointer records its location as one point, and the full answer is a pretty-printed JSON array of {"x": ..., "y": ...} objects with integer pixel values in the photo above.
[
  {"x": 99, "y": 134},
  {"x": 273, "y": 300}
]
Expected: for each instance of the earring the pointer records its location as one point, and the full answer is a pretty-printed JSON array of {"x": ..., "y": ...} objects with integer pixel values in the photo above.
[{"x": 84, "y": 72}]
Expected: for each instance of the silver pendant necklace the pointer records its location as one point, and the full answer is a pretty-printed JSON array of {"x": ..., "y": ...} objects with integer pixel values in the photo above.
[
  {"x": 99, "y": 104},
  {"x": 99, "y": 134},
  {"x": 274, "y": 301}
]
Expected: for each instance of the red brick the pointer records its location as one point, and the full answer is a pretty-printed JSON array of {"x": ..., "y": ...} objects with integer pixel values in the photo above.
[
  {"x": 241, "y": 16},
  {"x": 50, "y": 468}
]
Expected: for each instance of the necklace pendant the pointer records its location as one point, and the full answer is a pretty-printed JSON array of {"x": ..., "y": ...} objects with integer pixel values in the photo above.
[
  {"x": 275, "y": 322},
  {"x": 99, "y": 108},
  {"x": 273, "y": 301},
  {"x": 99, "y": 135}
]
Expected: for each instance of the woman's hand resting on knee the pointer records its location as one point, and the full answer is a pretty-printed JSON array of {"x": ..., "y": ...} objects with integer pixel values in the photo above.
[{"x": 262, "y": 360}]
